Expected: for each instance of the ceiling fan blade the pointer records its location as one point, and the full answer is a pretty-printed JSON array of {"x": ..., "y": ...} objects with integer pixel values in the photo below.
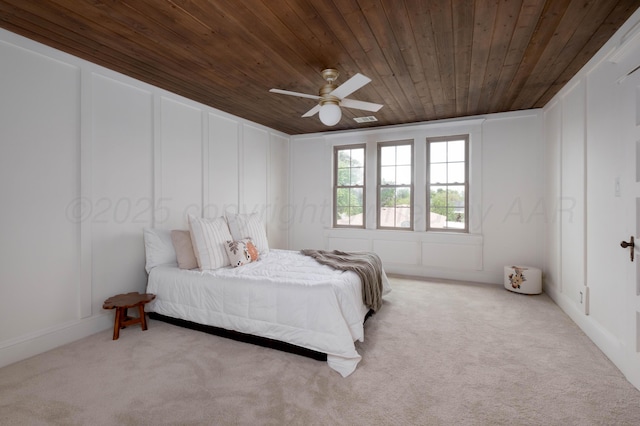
[
  {"x": 312, "y": 111},
  {"x": 301, "y": 95},
  {"x": 350, "y": 86},
  {"x": 366, "y": 106}
]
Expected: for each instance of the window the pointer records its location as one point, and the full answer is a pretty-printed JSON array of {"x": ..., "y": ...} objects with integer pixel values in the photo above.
[
  {"x": 395, "y": 185},
  {"x": 349, "y": 188},
  {"x": 448, "y": 183}
]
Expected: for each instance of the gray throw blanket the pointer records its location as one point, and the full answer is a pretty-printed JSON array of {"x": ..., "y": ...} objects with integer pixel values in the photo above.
[{"x": 367, "y": 265}]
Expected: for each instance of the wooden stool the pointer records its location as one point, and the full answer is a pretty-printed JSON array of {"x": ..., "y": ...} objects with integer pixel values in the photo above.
[{"x": 121, "y": 303}]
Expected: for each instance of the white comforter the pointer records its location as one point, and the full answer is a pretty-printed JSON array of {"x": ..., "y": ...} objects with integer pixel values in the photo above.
[{"x": 284, "y": 296}]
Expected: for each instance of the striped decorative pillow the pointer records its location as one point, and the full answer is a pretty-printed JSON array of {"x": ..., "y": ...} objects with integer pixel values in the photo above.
[
  {"x": 249, "y": 226},
  {"x": 209, "y": 237}
]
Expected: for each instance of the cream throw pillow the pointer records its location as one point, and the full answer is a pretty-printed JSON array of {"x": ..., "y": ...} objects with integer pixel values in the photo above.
[
  {"x": 184, "y": 249},
  {"x": 209, "y": 237}
]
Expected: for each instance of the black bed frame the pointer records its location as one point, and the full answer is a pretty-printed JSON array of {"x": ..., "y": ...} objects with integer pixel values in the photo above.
[{"x": 244, "y": 337}]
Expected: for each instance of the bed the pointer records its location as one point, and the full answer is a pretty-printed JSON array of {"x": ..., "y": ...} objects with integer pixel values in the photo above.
[{"x": 283, "y": 296}]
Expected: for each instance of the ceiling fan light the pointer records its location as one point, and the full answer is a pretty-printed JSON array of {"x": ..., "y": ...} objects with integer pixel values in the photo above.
[{"x": 330, "y": 114}]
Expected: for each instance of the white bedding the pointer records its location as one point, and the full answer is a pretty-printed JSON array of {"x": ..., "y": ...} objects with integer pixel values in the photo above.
[{"x": 284, "y": 296}]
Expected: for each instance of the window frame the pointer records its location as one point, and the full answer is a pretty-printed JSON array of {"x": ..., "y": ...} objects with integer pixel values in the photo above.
[
  {"x": 336, "y": 150},
  {"x": 379, "y": 186},
  {"x": 450, "y": 138}
]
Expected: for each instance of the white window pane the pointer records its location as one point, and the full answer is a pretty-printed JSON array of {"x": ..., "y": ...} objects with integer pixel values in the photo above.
[
  {"x": 388, "y": 155},
  {"x": 403, "y": 175},
  {"x": 438, "y": 173},
  {"x": 342, "y": 197},
  {"x": 387, "y": 197},
  {"x": 437, "y": 220},
  {"x": 388, "y": 175},
  {"x": 438, "y": 152},
  {"x": 403, "y": 153},
  {"x": 387, "y": 216},
  {"x": 455, "y": 196},
  {"x": 456, "y": 151},
  {"x": 344, "y": 177},
  {"x": 356, "y": 219},
  {"x": 344, "y": 159},
  {"x": 456, "y": 173},
  {"x": 403, "y": 197},
  {"x": 357, "y": 176},
  {"x": 357, "y": 157},
  {"x": 343, "y": 215},
  {"x": 355, "y": 197},
  {"x": 438, "y": 197},
  {"x": 403, "y": 217}
]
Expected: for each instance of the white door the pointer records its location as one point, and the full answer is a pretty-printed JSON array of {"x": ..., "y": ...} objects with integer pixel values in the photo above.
[
  {"x": 613, "y": 204},
  {"x": 629, "y": 95}
]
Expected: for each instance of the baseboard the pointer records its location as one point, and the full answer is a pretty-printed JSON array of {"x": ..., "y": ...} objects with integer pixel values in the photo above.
[
  {"x": 24, "y": 347},
  {"x": 434, "y": 279},
  {"x": 608, "y": 343}
]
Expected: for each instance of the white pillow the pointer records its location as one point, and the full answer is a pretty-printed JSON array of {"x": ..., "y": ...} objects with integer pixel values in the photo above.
[
  {"x": 209, "y": 237},
  {"x": 158, "y": 248},
  {"x": 249, "y": 226}
]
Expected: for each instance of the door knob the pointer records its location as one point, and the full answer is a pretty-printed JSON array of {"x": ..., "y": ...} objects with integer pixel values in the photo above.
[{"x": 631, "y": 244}]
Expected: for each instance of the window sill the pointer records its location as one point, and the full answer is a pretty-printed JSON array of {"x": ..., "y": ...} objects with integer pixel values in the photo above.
[{"x": 406, "y": 235}]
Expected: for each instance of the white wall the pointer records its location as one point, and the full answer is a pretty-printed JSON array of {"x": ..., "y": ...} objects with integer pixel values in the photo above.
[
  {"x": 507, "y": 211},
  {"x": 591, "y": 135},
  {"x": 88, "y": 158},
  {"x": 39, "y": 177}
]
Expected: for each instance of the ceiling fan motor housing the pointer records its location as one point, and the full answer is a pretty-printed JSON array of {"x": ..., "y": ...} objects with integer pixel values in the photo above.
[
  {"x": 325, "y": 97},
  {"x": 331, "y": 75}
]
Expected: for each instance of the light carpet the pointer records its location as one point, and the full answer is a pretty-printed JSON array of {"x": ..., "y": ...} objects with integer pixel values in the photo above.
[{"x": 437, "y": 353}]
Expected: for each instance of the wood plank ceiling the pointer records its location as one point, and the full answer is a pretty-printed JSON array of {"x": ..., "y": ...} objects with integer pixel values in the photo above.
[{"x": 428, "y": 59}]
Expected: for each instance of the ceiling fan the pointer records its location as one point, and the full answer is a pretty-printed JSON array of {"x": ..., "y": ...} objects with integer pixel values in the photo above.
[{"x": 331, "y": 97}]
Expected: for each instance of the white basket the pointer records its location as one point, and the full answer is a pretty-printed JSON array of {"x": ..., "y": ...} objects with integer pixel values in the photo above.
[{"x": 523, "y": 279}]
